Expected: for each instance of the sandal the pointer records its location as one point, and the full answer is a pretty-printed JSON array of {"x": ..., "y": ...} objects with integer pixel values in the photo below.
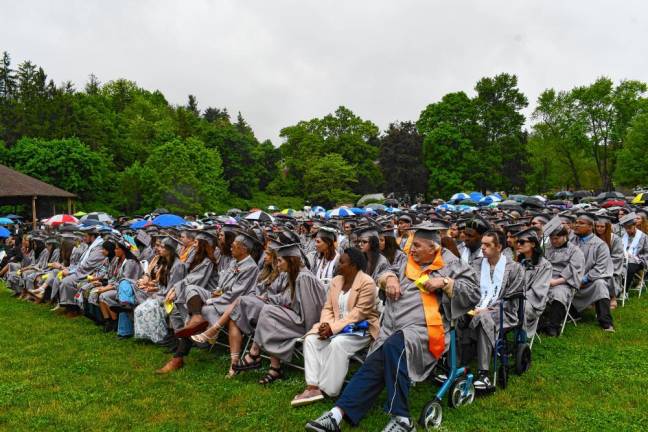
[
  {"x": 245, "y": 365},
  {"x": 270, "y": 378},
  {"x": 235, "y": 359}
]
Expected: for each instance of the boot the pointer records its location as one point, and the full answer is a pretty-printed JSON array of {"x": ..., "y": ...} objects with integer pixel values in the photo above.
[{"x": 172, "y": 365}]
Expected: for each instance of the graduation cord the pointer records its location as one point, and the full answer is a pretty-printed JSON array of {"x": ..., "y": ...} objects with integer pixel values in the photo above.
[{"x": 391, "y": 405}]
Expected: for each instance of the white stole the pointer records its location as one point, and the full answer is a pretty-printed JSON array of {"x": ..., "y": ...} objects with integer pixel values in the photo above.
[
  {"x": 490, "y": 288},
  {"x": 635, "y": 242},
  {"x": 96, "y": 243},
  {"x": 465, "y": 254}
]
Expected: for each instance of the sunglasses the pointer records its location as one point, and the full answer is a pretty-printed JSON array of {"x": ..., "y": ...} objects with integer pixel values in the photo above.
[{"x": 523, "y": 241}]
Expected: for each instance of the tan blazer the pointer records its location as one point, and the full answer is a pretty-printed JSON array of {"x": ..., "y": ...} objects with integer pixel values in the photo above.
[{"x": 361, "y": 305}]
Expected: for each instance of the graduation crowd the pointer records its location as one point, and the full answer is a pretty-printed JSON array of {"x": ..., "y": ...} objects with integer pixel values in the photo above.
[{"x": 379, "y": 290}]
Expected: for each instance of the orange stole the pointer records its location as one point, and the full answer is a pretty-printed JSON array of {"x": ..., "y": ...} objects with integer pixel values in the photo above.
[{"x": 436, "y": 332}]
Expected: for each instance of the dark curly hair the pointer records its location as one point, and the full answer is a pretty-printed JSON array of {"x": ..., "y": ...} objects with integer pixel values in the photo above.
[{"x": 357, "y": 258}]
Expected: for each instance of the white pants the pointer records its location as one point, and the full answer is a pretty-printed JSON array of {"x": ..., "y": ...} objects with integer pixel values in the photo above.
[{"x": 326, "y": 362}]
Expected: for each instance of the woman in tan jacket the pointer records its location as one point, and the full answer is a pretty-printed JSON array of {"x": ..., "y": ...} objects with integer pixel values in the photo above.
[{"x": 348, "y": 324}]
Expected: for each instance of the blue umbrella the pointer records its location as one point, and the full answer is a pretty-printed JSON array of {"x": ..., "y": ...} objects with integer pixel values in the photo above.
[
  {"x": 392, "y": 210},
  {"x": 139, "y": 224},
  {"x": 459, "y": 196},
  {"x": 476, "y": 196},
  {"x": 357, "y": 210},
  {"x": 168, "y": 220},
  {"x": 6, "y": 221},
  {"x": 4, "y": 232},
  {"x": 487, "y": 200},
  {"x": 446, "y": 207},
  {"x": 339, "y": 212}
]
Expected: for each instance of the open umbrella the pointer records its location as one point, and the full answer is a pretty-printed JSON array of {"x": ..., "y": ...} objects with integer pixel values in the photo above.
[
  {"x": 168, "y": 220},
  {"x": 613, "y": 203},
  {"x": 609, "y": 195},
  {"x": 376, "y": 206},
  {"x": 358, "y": 211},
  {"x": 640, "y": 198},
  {"x": 393, "y": 210},
  {"x": 582, "y": 193},
  {"x": 59, "y": 219},
  {"x": 476, "y": 196},
  {"x": 288, "y": 211},
  {"x": 460, "y": 196},
  {"x": 6, "y": 221},
  {"x": 259, "y": 216},
  {"x": 468, "y": 202},
  {"x": 98, "y": 216},
  {"x": 4, "y": 232},
  {"x": 340, "y": 212},
  {"x": 533, "y": 202},
  {"x": 234, "y": 211},
  {"x": 80, "y": 214},
  {"x": 140, "y": 224},
  {"x": 488, "y": 200},
  {"x": 564, "y": 195}
]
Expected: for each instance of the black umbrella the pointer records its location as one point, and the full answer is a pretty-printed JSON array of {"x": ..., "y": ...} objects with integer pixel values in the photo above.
[
  {"x": 582, "y": 193},
  {"x": 609, "y": 195},
  {"x": 564, "y": 194},
  {"x": 533, "y": 202}
]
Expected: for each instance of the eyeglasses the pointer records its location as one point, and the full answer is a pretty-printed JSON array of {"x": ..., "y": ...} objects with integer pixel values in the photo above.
[{"x": 363, "y": 241}]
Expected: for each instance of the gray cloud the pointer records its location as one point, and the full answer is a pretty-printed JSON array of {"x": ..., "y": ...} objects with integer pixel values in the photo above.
[{"x": 279, "y": 62}]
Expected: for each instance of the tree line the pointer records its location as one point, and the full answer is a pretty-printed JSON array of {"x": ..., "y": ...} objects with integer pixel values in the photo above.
[{"x": 126, "y": 149}]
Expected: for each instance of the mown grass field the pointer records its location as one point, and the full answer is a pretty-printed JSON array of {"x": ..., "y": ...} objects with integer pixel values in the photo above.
[{"x": 66, "y": 375}]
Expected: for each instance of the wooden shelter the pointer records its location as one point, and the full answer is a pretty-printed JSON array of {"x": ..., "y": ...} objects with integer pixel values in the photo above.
[{"x": 19, "y": 188}]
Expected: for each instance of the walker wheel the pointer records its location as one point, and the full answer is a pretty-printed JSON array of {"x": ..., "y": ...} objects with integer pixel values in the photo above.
[
  {"x": 431, "y": 415},
  {"x": 457, "y": 392},
  {"x": 522, "y": 359}
]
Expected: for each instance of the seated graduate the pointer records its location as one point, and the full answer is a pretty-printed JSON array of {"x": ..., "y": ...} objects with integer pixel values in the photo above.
[
  {"x": 38, "y": 262},
  {"x": 537, "y": 275},
  {"x": 414, "y": 332},
  {"x": 635, "y": 247},
  {"x": 369, "y": 244},
  {"x": 204, "y": 303},
  {"x": 499, "y": 278},
  {"x": 242, "y": 315},
  {"x": 347, "y": 325},
  {"x": 47, "y": 258},
  {"x": 90, "y": 261},
  {"x": 280, "y": 325},
  {"x": 567, "y": 265},
  {"x": 389, "y": 248},
  {"x": 12, "y": 271},
  {"x": 124, "y": 266},
  {"x": 598, "y": 271},
  {"x": 326, "y": 257},
  {"x": 603, "y": 230},
  {"x": 472, "y": 233}
]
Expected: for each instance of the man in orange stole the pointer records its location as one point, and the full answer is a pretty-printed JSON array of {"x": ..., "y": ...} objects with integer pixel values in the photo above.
[{"x": 430, "y": 288}]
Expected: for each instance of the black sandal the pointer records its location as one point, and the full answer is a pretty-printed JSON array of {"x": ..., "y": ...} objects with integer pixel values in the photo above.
[
  {"x": 269, "y": 378},
  {"x": 246, "y": 366}
]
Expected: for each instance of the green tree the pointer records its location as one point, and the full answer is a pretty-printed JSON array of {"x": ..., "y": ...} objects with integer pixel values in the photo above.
[
  {"x": 632, "y": 161},
  {"x": 328, "y": 180},
  {"x": 401, "y": 158},
  {"x": 65, "y": 163}
]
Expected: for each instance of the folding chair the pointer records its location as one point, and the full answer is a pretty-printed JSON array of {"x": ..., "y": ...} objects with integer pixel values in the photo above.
[
  {"x": 624, "y": 281},
  {"x": 568, "y": 315},
  {"x": 640, "y": 285}
]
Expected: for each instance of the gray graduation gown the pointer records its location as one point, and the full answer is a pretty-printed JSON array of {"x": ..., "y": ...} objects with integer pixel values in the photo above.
[
  {"x": 616, "y": 253},
  {"x": 39, "y": 268},
  {"x": 485, "y": 326},
  {"x": 68, "y": 287},
  {"x": 598, "y": 271},
  {"x": 248, "y": 308},
  {"x": 473, "y": 255},
  {"x": 129, "y": 269},
  {"x": 641, "y": 256},
  {"x": 406, "y": 314},
  {"x": 280, "y": 326},
  {"x": 239, "y": 279},
  {"x": 536, "y": 283},
  {"x": 381, "y": 267},
  {"x": 568, "y": 263},
  {"x": 200, "y": 281}
]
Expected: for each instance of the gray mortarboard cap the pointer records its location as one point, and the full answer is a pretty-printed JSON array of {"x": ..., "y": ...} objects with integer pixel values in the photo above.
[
  {"x": 554, "y": 225},
  {"x": 388, "y": 231},
  {"x": 291, "y": 250},
  {"x": 428, "y": 230},
  {"x": 366, "y": 231},
  {"x": 544, "y": 218},
  {"x": 287, "y": 237},
  {"x": 51, "y": 240},
  {"x": 327, "y": 232},
  {"x": 642, "y": 212},
  {"x": 529, "y": 233},
  {"x": 586, "y": 216},
  {"x": 171, "y": 243},
  {"x": 566, "y": 217},
  {"x": 143, "y": 237},
  {"x": 206, "y": 236},
  {"x": 604, "y": 218},
  {"x": 249, "y": 240},
  {"x": 479, "y": 224},
  {"x": 405, "y": 217},
  {"x": 628, "y": 219},
  {"x": 230, "y": 227}
]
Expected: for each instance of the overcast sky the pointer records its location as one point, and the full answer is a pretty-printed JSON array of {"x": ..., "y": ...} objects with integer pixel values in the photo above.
[{"x": 279, "y": 62}]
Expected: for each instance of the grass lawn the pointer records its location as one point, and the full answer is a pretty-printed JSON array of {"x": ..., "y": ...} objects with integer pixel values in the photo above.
[{"x": 66, "y": 375}]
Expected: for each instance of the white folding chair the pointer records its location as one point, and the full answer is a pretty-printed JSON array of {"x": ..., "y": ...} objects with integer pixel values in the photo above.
[
  {"x": 640, "y": 284},
  {"x": 568, "y": 315},
  {"x": 624, "y": 280}
]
